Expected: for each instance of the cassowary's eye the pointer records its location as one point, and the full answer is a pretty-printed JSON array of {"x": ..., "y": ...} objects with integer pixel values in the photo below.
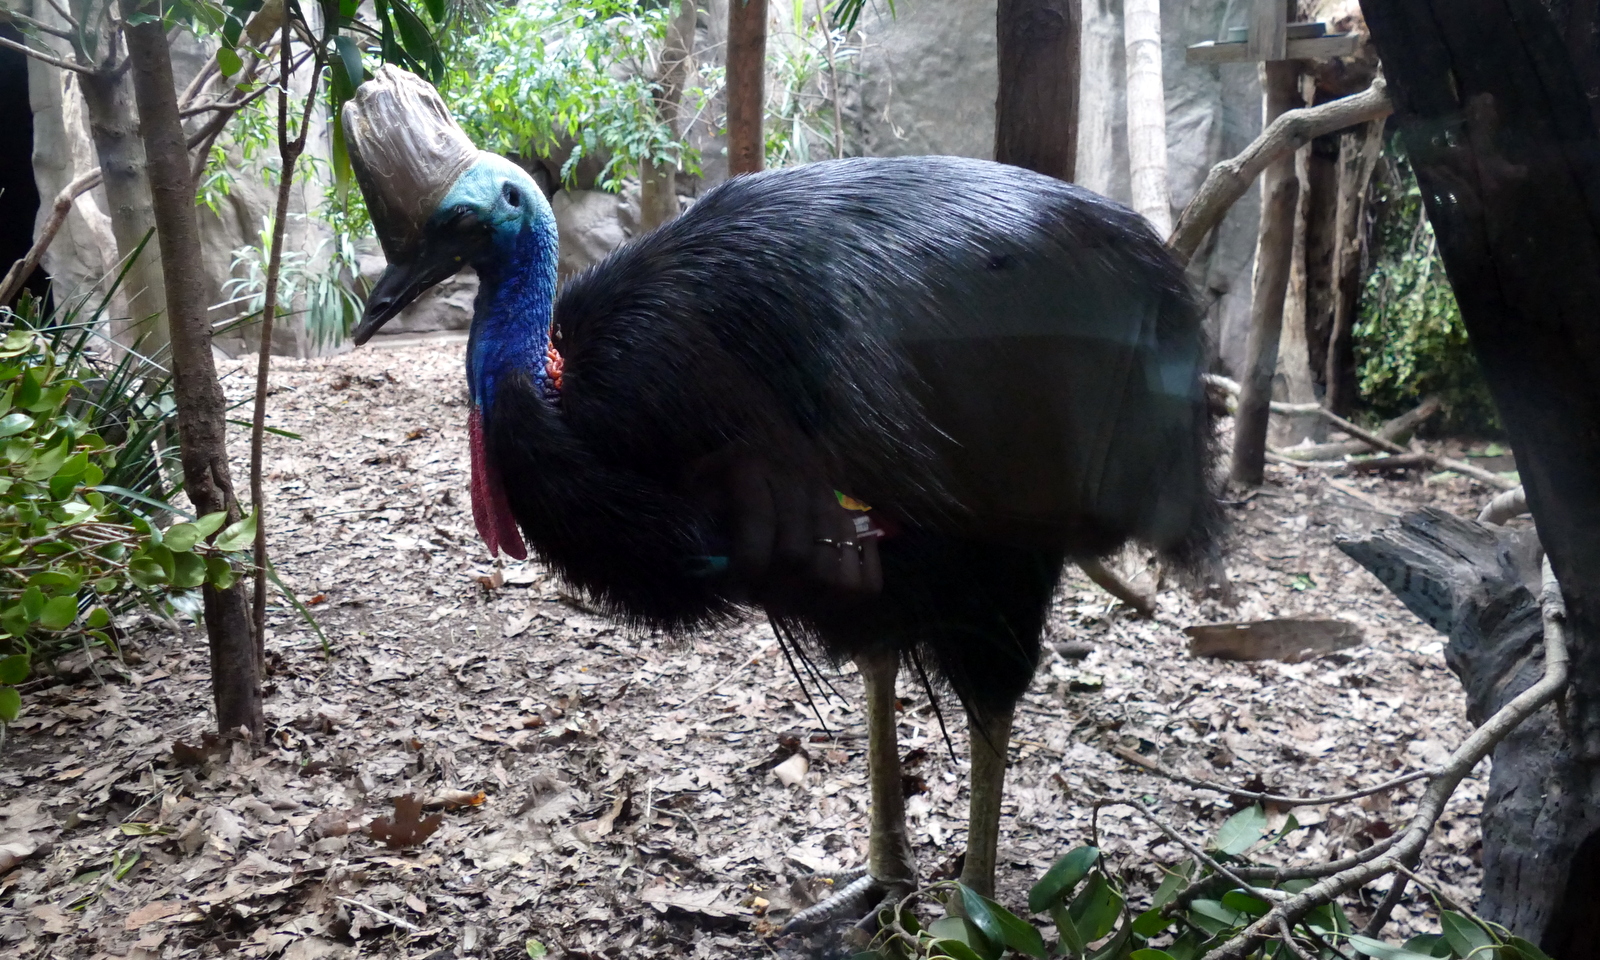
[{"x": 513, "y": 196}]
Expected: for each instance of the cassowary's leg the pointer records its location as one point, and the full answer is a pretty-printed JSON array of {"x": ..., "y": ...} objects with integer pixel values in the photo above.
[
  {"x": 891, "y": 868},
  {"x": 990, "y": 738}
]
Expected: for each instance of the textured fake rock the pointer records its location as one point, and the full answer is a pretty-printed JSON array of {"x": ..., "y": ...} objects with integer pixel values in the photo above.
[{"x": 407, "y": 151}]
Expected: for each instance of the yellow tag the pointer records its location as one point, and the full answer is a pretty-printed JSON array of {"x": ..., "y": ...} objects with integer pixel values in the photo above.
[{"x": 850, "y": 503}]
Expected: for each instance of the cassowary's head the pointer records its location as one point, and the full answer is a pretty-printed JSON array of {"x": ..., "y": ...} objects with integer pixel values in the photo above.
[{"x": 438, "y": 204}]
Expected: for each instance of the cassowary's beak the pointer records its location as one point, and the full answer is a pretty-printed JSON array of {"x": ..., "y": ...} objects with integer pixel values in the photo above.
[{"x": 406, "y": 152}]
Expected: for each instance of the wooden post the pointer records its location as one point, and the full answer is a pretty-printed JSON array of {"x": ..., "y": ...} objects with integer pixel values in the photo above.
[
  {"x": 1274, "y": 248},
  {"x": 747, "y": 68},
  {"x": 1358, "y": 155},
  {"x": 1036, "y": 109}
]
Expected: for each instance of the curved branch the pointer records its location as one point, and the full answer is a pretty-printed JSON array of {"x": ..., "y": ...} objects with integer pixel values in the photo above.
[
  {"x": 1431, "y": 807},
  {"x": 43, "y": 57},
  {"x": 1505, "y": 506},
  {"x": 21, "y": 270},
  {"x": 1229, "y": 180}
]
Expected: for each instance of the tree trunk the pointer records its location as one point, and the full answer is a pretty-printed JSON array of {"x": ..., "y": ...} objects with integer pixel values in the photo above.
[
  {"x": 1321, "y": 183},
  {"x": 1504, "y": 144},
  {"x": 1280, "y": 192},
  {"x": 1358, "y": 156},
  {"x": 1036, "y": 110},
  {"x": 114, "y": 129},
  {"x": 1293, "y": 382},
  {"x": 1479, "y": 586},
  {"x": 747, "y": 70},
  {"x": 658, "y": 180},
  {"x": 1147, "y": 113},
  {"x": 235, "y": 675}
]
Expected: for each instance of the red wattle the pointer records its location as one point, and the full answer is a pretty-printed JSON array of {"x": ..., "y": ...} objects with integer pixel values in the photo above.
[{"x": 491, "y": 513}]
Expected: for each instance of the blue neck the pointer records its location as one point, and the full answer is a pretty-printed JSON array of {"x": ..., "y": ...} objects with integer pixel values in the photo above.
[{"x": 511, "y": 316}]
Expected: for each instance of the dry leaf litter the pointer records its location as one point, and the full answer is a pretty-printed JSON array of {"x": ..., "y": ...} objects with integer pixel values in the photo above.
[{"x": 611, "y": 794}]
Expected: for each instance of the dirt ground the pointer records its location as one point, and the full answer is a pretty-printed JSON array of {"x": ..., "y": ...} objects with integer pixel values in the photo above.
[{"x": 611, "y": 794}]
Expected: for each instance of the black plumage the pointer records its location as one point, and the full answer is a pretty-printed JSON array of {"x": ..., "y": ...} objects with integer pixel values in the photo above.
[{"x": 1005, "y": 366}]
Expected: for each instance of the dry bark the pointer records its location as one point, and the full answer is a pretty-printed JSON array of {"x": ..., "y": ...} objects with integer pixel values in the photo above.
[
  {"x": 1147, "y": 113},
  {"x": 746, "y": 79},
  {"x": 1229, "y": 180},
  {"x": 202, "y": 437},
  {"x": 658, "y": 180},
  {"x": 1280, "y": 192},
  {"x": 1036, "y": 109},
  {"x": 1358, "y": 156}
]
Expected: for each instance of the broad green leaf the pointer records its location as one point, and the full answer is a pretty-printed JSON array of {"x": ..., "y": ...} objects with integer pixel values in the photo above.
[
  {"x": 14, "y": 423},
  {"x": 210, "y": 523},
  {"x": 15, "y": 620},
  {"x": 1528, "y": 950},
  {"x": 47, "y": 463},
  {"x": 10, "y": 704},
  {"x": 1432, "y": 944},
  {"x": 14, "y": 669},
  {"x": 1151, "y": 922},
  {"x": 953, "y": 950},
  {"x": 1245, "y": 903},
  {"x": 1174, "y": 881},
  {"x": 1212, "y": 917},
  {"x": 188, "y": 570},
  {"x": 228, "y": 61},
  {"x": 1096, "y": 909},
  {"x": 1149, "y": 953},
  {"x": 961, "y": 932},
  {"x": 33, "y": 603},
  {"x": 535, "y": 949},
  {"x": 1062, "y": 876},
  {"x": 219, "y": 573},
  {"x": 1241, "y": 831},
  {"x": 977, "y": 909},
  {"x": 1464, "y": 936},
  {"x": 1383, "y": 951},
  {"x": 1071, "y": 939},
  {"x": 98, "y": 617},
  {"x": 1115, "y": 947},
  {"x": 181, "y": 537},
  {"x": 1017, "y": 933},
  {"x": 59, "y": 613},
  {"x": 146, "y": 572},
  {"x": 238, "y": 536}
]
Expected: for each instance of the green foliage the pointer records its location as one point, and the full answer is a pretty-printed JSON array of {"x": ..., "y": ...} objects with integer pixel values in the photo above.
[
  {"x": 800, "y": 115},
  {"x": 1193, "y": 911},
  {"x": 1409, "y": 338},
  {"x": 82, "y": 500},
  {"x": 312, "y": 283},
  {"x": 545, "y": 77}
]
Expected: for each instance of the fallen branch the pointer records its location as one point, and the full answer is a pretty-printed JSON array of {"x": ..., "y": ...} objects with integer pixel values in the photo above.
[
  {"x": 1251, "y": 796},
  {"x": 1399, "y": 461},
  {"x": 1111, "y": 583},
  {"x": 1440, "y": 788},
  {"x": 1512, "y": 503},
  {"x": 1229, "y": 180},
  {"x": 1397, "y": 431}
]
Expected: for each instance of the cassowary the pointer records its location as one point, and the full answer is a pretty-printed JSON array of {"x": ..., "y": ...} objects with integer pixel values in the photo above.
[{"x": 885, "y": 400}]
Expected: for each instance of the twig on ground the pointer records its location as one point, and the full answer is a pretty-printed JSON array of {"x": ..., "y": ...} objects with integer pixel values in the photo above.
[
  {"x": 1371, "y": 503},
  {"x": 708, "y": 691},
  {"x": 405, "y": 925},
  {"x": 1195, "y": 850},
  {"x": 1440, "y": 788},
  {"x": 1252, "y": 796}
]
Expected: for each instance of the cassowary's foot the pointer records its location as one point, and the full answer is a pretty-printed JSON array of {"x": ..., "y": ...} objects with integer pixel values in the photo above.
[{"x": 861, "y": 900}]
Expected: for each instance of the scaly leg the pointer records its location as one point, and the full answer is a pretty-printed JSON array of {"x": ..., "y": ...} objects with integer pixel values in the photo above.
[
  {"x": 990, "y": 738},
  {"x": 891, "y": 869}
]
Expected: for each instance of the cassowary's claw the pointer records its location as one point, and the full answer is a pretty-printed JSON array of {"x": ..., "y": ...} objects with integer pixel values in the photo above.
[
  {"x": 847, "y": 875},
  {"x": 860, "y": 900}
]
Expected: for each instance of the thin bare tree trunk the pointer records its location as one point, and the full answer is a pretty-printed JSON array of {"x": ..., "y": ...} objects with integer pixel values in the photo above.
[
  {"x": 1036, "y": 109},
  {"x": 1293, "y": 382},
  {"x": 1147, "y": 113},
  {"x": 1279, "y": 193},
  {"x": 658, "y": 180},
  {"x": 114, "y": 130},
  {"x": 235, "y": 674},
  {"x": 1358, "y": 156},
  {"x": 746, "y": 85}
]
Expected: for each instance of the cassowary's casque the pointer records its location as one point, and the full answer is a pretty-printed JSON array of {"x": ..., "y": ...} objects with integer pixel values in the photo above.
[{"x": 883, "y": 399}]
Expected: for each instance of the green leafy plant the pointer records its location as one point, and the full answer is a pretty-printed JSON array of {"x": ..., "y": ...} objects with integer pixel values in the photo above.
[
  {"x": 1410, "y": 341},
  {"x": 84, "y": 450},
  {"x": 1193, "y": 911},
  {"x": 546, "y": 78},
  {"x": 322, "y": 285}
]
